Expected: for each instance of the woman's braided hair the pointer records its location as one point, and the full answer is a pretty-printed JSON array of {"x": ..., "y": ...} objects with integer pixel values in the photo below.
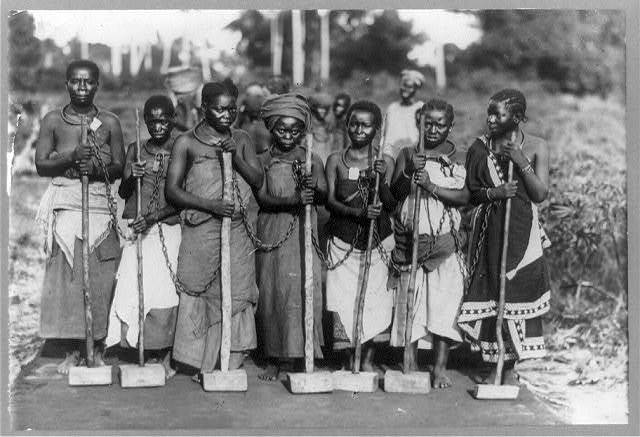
[{"x": 514, "y": 100}]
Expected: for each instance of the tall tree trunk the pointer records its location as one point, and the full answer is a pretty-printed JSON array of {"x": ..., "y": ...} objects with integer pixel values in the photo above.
[
  {"x": 116, "y": 60},
  {"x": 441, "y": 76},
  {"x": 276, "y": 43},
  {"x": 148, "y": 58},
  {"x": 84, "y": 50},
  {"x": 166, "y": 54},
  {"x": 185, "y": 54},
  {"x": 324, "y": 44},
  {"x": 297, "y": 47},
  {"x": 136, "y": 57},
  {"x": 205, "y": 60}
]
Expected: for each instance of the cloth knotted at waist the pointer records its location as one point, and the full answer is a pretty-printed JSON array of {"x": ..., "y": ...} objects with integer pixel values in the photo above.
[
  {"x": 432, "y": 251},
  {"x": 60, "y": 213}
]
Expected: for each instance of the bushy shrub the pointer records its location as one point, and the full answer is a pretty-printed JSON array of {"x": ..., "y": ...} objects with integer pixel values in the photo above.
[{"x": 582, "y": 52}]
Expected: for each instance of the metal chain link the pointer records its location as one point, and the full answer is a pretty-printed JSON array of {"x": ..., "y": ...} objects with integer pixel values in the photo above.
[
  {"x": 459, "y": 253},
  {"x": 154, "y": 206},
  {"x": 111, "y": 203},
  {"x": 476, "y": 256},
  {"x": 363, "y": 191},
  {"x": 259, "y": 244},
  {"x": 407, "y": 267},
  {"x": 329, "y": 263}
]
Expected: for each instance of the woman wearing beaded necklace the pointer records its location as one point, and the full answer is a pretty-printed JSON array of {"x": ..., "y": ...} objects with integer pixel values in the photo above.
[
  {"x": 439, "y": 279},
  {"x": 160, "y": 298},
  {"x": 351, "y": 178},
  {"x": 60, "y": 156},
  {"x": 195, "y": 184},
  {"x": 527, "y": 277}
]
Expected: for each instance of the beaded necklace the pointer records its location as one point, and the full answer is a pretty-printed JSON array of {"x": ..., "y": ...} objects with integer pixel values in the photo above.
[
  {"x": 492, "y": 156},
  {"x": 67, "y": 118},
  {"x": 195, "y": 134}
]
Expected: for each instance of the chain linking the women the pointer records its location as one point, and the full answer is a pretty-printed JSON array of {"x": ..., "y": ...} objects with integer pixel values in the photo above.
[
  {"x": 111, "y": 203},
  {"x": 154, "y": 206}
]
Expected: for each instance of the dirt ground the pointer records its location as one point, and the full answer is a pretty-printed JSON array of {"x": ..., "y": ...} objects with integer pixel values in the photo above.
[{"x": 43, "y": 401}]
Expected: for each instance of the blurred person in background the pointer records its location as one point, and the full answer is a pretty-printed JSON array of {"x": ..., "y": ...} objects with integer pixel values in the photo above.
[
  {"x": 249, "y": 117},
  {"x": 277, "y": 84},
  {"x": 320, "y": 103},
  {"x": 338, "y": 125},
  {"x": 184, "y": 85},
  {"x": 399, "y": 123}
]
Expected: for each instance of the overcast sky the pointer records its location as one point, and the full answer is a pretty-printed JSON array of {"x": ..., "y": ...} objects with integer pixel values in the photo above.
[{"x": 116, "y": 27}]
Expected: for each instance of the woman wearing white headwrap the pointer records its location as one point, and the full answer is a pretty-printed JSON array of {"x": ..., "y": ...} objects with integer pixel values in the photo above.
[{"x": 400, "y": 124}]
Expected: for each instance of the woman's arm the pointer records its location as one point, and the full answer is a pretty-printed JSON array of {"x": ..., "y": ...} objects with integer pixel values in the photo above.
[
  {"x": 333, "y": 204},
  {"x": 178, "y": 196}
]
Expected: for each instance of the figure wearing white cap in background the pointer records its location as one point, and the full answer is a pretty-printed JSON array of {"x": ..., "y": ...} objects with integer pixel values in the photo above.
[
  {"x": 400, "y": 125},
  {"x": 184, "y": 86}
]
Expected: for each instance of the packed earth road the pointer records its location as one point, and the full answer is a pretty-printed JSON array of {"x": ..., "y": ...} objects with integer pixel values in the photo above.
[{"x": 43, "y": 400}]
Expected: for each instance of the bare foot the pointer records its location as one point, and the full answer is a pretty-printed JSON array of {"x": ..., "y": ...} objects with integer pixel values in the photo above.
[
  {"x": 71, "y": 360},
  {"x": 492, "y": 376},
  {"x": 196, "y": 378},
  {"x": 441, "y": 379},
  {"x": 270, "y": 373},
  {"x": 367, "y": 362},
  {"x": 367, "y": 367},
  {"x": 346, "y": 360},
  {"x": 509, "y": 377},
  {"x": 169, "y": 372},
  {"x": 236, "y": 359},
  {"x": 412, "y": 365},
  {"x": 98, "y": 361}
]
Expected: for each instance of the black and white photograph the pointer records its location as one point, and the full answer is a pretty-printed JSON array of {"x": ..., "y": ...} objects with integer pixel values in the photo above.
[{"x": 351, "y": 221}]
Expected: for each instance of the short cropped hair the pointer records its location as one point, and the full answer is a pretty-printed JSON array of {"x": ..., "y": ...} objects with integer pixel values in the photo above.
[
  {"x": 344, "y": 96},
  {"x": 368, "y": 106},
  {"x": 437, "y": 105},
  {"x": 278, "y": 84},
  {"x": 159, "y": 101},
  {"x": 514, "y": 100},
  {"x": 212, "y": 90},
  {"x": 83, "y": 63}
]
